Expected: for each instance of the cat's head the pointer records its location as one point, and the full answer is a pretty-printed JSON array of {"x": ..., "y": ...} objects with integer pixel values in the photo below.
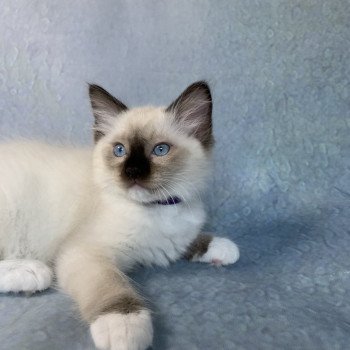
[{"x": 153, "y": 153}]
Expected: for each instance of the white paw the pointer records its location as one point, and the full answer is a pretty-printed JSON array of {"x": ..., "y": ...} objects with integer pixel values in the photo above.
[
  {"x": 131, "y": 331},
  {"x": 221, "y": 251},
  {"x": 24, "y": 276}
]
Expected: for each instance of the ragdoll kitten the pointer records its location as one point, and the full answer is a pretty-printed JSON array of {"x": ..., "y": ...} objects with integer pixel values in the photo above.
[{"x": 92, "y": 214}]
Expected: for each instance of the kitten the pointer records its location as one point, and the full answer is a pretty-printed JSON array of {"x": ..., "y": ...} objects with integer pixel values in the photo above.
[{"x": 92, "y": 214}]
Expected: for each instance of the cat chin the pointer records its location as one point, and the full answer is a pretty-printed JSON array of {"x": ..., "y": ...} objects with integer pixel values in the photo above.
[{"x": 140, "y": 194}]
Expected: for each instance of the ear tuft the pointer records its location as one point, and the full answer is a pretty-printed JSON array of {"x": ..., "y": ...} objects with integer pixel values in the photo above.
[
  {"x": 105, "y": 108},
  {"x": 193, "y": 110}
]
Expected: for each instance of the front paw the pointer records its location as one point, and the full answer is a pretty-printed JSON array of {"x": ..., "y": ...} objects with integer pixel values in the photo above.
[
  {"x": 114, "y": 331},
  {"x": 24, "y": 275},
  {"x": 221, "y": 251}
]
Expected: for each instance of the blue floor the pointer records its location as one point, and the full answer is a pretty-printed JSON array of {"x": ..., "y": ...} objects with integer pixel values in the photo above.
[{"x": 290, "y": 290}]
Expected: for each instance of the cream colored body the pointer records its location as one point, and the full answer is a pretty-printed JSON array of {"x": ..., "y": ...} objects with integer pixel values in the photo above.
[
  {"x": 48, "y": 197},
  {"x": 45, "y": 194}
]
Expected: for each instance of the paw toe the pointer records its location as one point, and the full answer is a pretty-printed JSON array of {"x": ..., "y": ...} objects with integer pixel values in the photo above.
[
  {"x": 123, "y": 331},
  {"x": 221, "y": 251},
  {"x": 24, "y": 276}
]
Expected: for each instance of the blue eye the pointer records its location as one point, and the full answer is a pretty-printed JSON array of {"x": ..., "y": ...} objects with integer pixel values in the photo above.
[
  {"x": 119, "y": 150},
  {"x": 161, "y": 149}
]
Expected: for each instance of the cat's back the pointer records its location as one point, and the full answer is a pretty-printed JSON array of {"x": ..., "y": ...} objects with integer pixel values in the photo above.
[
  {"x": 27, "y": 154},
  {"x": 42, "y": 188},
  {"x": 31, "y": 164}
]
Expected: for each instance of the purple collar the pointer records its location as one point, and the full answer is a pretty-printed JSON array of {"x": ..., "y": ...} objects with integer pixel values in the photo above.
[{"x": 168, "y": 201}]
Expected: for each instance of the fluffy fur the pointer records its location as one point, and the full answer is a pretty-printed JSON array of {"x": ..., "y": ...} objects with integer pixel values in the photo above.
[{"x": 91, "y": 216}]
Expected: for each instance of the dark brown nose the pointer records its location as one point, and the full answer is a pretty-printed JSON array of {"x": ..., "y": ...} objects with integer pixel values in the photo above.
[
  {"x": 133, "y": 173},
  {"x": 137, "y": 165}
]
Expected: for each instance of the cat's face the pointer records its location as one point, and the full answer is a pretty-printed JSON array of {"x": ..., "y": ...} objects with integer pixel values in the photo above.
[{"x": 151, "y": 153}]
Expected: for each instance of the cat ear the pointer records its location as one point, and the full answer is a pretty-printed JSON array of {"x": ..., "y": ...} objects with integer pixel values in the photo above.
[
  {"x": 105, "y": 108},
  {"x": 193, "y": 110}
]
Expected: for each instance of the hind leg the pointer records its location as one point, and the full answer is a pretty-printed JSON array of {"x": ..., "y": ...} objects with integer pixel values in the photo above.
[{"x": 24, "y": 275}]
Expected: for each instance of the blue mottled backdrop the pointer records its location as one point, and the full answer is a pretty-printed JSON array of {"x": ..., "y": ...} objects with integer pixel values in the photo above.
[{"x": 280, "y": 72}]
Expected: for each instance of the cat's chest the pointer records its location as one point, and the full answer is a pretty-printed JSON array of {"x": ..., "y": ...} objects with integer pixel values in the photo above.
[
  {"x": 161, "y": 234},
  {"x": 173, "y": 221}
]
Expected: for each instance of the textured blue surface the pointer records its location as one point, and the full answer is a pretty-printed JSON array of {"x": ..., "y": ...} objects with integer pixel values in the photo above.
[{"x": 281, "y": 186}]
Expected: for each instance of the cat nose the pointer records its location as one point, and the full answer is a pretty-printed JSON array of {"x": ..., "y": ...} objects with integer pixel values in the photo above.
[{"x": 133, "y": 172}]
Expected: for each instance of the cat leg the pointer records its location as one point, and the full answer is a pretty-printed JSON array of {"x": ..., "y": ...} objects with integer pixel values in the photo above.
[
  {"x": 22, "y": 275},
  {"x": 214, "y": 250},
  {"x": 117, "y": 316}
]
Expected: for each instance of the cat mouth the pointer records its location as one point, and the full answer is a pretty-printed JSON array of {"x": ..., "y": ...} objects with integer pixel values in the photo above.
[{"x": 137, "y": 184}]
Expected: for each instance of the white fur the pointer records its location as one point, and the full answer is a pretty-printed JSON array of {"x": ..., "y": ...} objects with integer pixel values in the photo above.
[
  {"x": 123, "y": 331},
  {"x": 44, "y": 195},
  {"x": 24, "y": 276},
  {"x": 221, "y": 251}
]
